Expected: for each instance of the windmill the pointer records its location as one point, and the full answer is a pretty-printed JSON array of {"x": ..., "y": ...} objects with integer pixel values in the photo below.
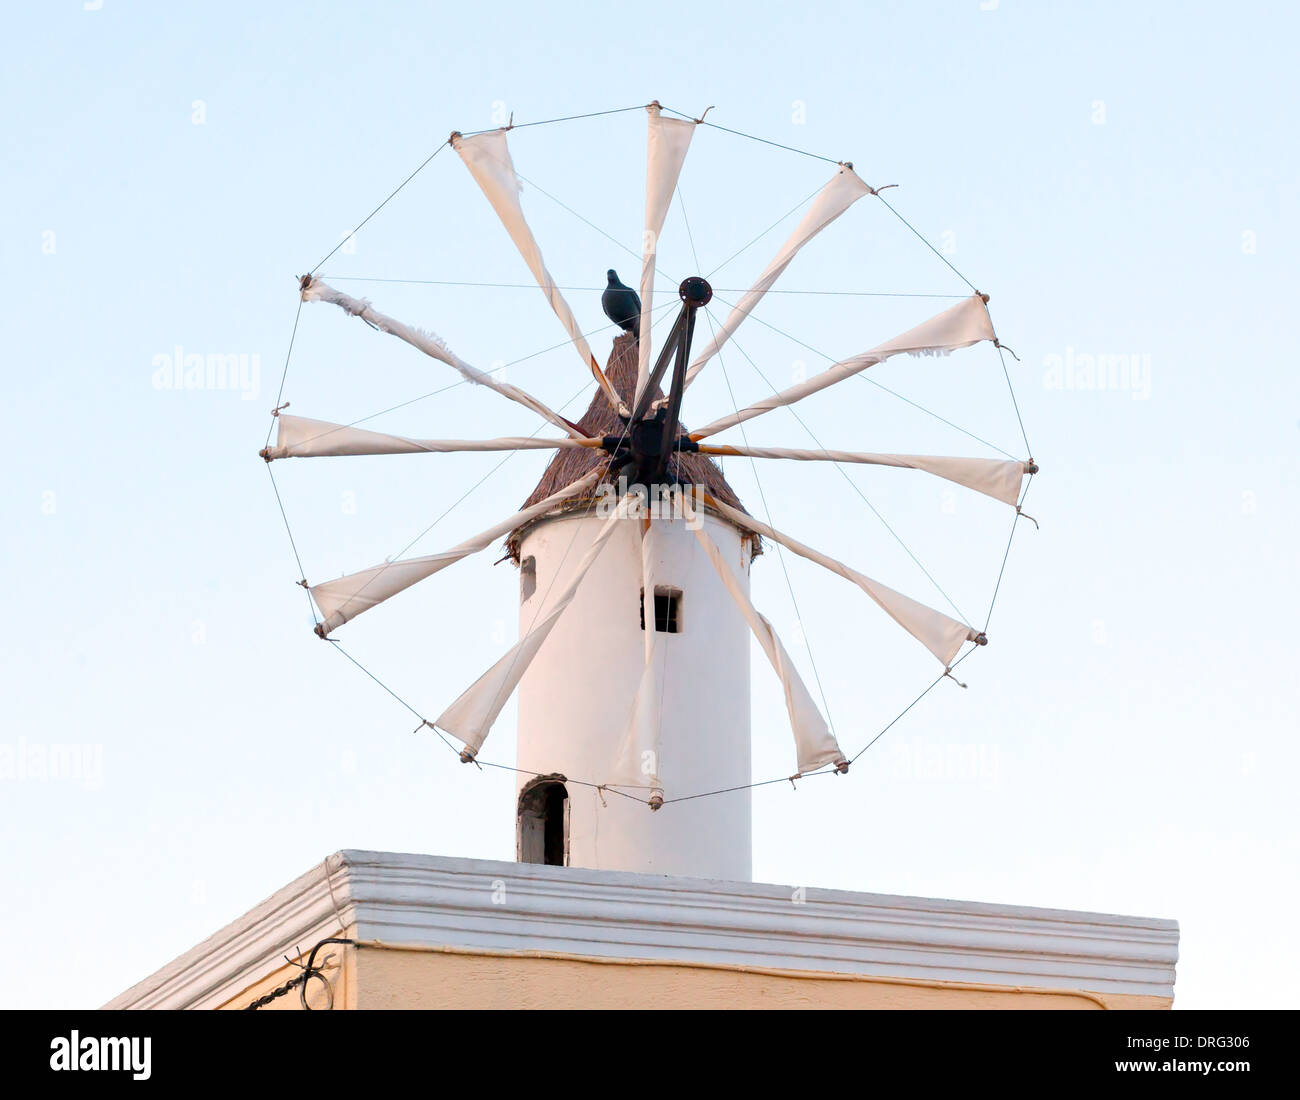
[{"x": 633, "y": 523}]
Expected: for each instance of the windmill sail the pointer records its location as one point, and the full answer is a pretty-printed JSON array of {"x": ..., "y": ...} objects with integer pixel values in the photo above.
[
  {"x": 487, "y": 156},
  {"x": 939, "y": 634},
  {"x": 301, "y": 437},
  {"x": 637, "y": 762},
  {"x": 998, "y": 478},
  {"x": 431, "y": 345},
  {"x": 667, "y": 144},
  {"x": 815, "y": 745},
  {"x": 343, "y": 600},
  {"x": 843, "y": 190},
  {"x": 471, "y": 716},
  {"x": 960, "y": 326}
]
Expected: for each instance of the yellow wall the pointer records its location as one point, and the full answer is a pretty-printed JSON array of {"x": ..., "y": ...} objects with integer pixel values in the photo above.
[
  {"x": 460, "y": 978},
  {"x": 388, "y": 976}
]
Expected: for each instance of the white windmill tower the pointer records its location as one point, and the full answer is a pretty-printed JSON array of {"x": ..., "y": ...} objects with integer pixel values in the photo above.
[
  {"x": 653, "y": 625},
  {"x": 634, "y": 559}
]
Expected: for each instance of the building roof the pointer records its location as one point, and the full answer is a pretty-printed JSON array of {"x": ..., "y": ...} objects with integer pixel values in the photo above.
[
  {"x": 600, "y": 420},
  {"x": 444, "y": 902}
]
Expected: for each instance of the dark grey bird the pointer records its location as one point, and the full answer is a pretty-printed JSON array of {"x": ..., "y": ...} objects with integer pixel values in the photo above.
[{"x": 621, "y": 304}]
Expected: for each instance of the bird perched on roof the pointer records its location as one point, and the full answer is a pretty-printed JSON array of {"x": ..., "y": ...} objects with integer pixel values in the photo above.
[{"x": 621, "y": 304}]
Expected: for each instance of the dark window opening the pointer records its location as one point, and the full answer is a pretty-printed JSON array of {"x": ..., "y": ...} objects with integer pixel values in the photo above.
[
  {"x": 543, "y": 824},
  {"x": 527, "y": 577},
  {"x": 553, "y": 832},
  {"x": 668, "y": 610}
]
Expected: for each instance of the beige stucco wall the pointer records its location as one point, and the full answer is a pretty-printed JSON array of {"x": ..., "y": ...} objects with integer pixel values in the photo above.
[{"x": 392, "y": 978}]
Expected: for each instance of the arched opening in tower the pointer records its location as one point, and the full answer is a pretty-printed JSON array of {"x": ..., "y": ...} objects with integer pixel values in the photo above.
[{"x": 543, "y": 822}]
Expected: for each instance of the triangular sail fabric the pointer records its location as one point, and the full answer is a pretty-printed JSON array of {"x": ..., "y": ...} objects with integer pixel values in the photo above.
[
  {"x": 487, "y": 156},
  {"x": 471, "y": 716},
  {"x": 431, "y": 345},
  {"x": 344, "y": 599},
  {"x": 637, "y": 762},
  {"x": 666, "y": 150},
  {"x": 815, "y": 745},
  {"x": 301, "y": 437},
  {"x": 998, "y": 478},
  {"x": 844, "y": 189},
  {"x": 960, "y": 326},
  {"x": 939, "y": 634}
]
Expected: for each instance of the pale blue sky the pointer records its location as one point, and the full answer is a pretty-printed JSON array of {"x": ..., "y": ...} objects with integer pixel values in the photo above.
[{"x": 1121, "y": 181}]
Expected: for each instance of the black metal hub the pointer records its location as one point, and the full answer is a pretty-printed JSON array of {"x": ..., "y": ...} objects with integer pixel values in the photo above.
[
  {"x": 640, "y": 453},
  {"x": 695, "y": 292},
  {"x": 650, "y": 439}
]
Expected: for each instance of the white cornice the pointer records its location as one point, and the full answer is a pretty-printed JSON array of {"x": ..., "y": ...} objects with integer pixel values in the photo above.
[
  {"x": 247, "y": 949},
  {"x": 440, "y": 901}
]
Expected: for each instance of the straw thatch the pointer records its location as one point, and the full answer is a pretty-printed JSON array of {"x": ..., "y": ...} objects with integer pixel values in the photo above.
[{"x": 600, "y": 420}]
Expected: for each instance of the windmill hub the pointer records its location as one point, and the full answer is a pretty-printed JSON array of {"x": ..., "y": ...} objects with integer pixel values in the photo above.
[
  {"x": 646, "y": 437},
  {"x": 695, "y": 291},
  {"x": 650, "y": 437}
]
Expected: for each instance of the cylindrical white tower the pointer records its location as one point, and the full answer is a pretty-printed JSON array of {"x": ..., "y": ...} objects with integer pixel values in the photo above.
[{"x": 576, "y": 699}]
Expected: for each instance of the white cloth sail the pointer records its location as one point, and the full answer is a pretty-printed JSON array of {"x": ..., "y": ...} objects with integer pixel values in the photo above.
[
  {"x": 344, "y": 599},
  {"x": 431, "y": 345},
  {"x": 940, "y": 634},
  {"x": 959, "y": 326},
  {"x": 487, "y": 156},
  {"x": 998, "y": 478},
  {"x": 302, "y": 437},
  {"x": 815, "y": 745},
  {"x": 844, "y": 189},
  {"x": 668, "y": 141},
  {"x": 636, "y": 763},
  {"x": 471, "y": 716}
]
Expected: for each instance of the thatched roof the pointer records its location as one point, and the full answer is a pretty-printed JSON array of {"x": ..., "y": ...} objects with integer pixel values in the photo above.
[{"x": 600, "y": 420}]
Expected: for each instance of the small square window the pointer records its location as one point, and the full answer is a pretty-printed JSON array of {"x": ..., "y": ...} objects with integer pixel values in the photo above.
[{"x": 668, "y": 610}]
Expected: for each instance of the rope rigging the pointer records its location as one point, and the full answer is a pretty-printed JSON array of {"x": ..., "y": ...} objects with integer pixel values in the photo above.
[{"x": 674, "y": 443}]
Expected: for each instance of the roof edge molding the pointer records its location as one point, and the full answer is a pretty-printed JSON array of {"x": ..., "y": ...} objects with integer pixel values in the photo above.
[{"x": 495, "y": 906}]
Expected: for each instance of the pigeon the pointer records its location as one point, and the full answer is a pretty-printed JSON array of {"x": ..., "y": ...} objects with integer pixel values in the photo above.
[{"x": 621, "y": 304}]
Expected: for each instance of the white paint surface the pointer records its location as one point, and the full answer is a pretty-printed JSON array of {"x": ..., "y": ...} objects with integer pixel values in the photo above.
[{"x": 576, "y": 699}]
